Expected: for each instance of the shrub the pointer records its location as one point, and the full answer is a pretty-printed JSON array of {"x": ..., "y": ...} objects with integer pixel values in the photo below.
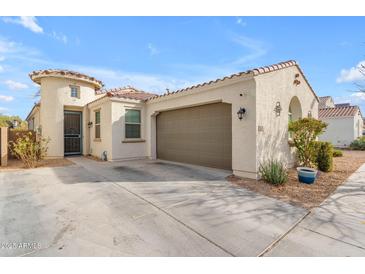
[
  {"x": 337, "y": 153},
  {"x": 324, "y": 157},
  {"x": 304, "y": 133},
  {"x": 29, "y": 150},
  {"x": 273, "y": 172},
  {"x": 358, "y": 144}
]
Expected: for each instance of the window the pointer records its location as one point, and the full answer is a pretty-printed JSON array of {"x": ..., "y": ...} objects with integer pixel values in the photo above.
[
  {"x": 75, "y": 91},
  {"x": 133, "y": 123},
  {"x": 97, "y": 124}
]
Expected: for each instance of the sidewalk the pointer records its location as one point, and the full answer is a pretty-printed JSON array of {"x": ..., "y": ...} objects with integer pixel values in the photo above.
[{"x": 336, "y": 228}]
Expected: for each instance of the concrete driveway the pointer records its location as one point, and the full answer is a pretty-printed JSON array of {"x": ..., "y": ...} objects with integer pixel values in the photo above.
[
  {"x": 135, "y": 208},
  {"x": 335, "y": 228}
]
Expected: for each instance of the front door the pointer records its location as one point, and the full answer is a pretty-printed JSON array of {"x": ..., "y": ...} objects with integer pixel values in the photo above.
[{"x": 72, "y": 132}]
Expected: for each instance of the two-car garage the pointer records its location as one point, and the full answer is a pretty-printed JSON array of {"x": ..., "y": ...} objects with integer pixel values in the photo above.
[{"x": 199, "y": 135}]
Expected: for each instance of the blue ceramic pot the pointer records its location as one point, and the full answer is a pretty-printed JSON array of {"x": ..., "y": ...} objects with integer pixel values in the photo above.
[{"x": 306, "y": 175}]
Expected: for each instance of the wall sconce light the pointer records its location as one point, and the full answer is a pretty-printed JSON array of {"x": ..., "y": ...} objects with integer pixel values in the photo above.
[
  {"x": 241, "y": 112},
  {"x": 90, "y": 124},
  {"x": 309, "y": 114},
  {"x": 278, "y": 109}
]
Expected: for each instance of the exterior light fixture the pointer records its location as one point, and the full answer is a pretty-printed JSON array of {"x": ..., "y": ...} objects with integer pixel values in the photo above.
[
  {"x": 309, "y": 114},
  {"x": 241, "y": 112},
  {"x": 278, "y": 108}
]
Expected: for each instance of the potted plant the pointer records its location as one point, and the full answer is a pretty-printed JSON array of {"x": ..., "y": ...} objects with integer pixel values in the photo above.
[
  {"x": 304, "y": 133},
  {"x": 306, "y": 175}
]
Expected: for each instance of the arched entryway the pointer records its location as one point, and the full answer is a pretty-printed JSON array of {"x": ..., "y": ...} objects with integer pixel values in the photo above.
[
  {"x": 295, "y": 109},
  {"x": 294, "y": 113}
]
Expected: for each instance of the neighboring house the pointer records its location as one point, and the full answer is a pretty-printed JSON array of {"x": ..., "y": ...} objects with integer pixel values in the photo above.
[
  {"x": 233, "y": 123},
  {"x": 345, "y": 122}
]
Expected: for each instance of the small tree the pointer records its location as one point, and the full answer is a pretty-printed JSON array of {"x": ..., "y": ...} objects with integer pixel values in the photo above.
[
  {"x": 304, "y": 133},
  {"x": 29, "y": 150},
  {"x": 324, "y": 157}
]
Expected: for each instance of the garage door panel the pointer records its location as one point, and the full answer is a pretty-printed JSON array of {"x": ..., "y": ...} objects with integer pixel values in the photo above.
[{"x": 198, "y": 135}]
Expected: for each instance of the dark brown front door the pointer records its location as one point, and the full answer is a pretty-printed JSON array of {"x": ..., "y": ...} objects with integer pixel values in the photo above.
[
  {"x": 199, "y": 135},
  {"x": 72, "y": 132}
]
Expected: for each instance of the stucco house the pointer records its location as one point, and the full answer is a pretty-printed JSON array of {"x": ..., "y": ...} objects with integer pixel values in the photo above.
[
  {"x": 232, "y": 123},
  {"x": 345, "y": 122}
]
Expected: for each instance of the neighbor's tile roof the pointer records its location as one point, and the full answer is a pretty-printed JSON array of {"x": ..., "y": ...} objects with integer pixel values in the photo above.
[
  {"x": 129, "y": 93},
  {"x": 254, "y": 72},
  {"x": 322, "y": 101},
  {"x": 349, "y": 111},
  {"x": 38, "y": 104},
  {"x": 342, "y": 105},
  {"x": 38, "y": 74}
]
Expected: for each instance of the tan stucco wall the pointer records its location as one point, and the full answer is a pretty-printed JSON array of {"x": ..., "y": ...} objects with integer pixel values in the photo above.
[
  {"x": 272, "y": 130},
  {"x": 342, "y": 131},
  {"x": 122, "y": 149},
  {"x": 97, "y": 147},
  {"x": 243, "y": 132},
  {"x": 55, "y": 98}
]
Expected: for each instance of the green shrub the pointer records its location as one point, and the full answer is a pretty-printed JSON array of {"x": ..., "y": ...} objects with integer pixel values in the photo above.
[
  {"x": 273, "y": 172},
  {"x": 29, "y": 150},
  {"x": 337, "y": 153},
  {"x": 324, "y": 157},
  {"x": 304, "y": 133},
  {"x": 358, "y": 144}
]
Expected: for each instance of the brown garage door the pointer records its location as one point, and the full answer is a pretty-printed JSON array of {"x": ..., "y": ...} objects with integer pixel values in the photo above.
[{"x": 198, "y": 135}]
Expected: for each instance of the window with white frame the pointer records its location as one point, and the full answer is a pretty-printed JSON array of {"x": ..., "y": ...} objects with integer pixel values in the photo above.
[
  {"x": 132, "y": 123},
  {"x": 75, "y": 91},
  {"x": 97, "y": 124}
]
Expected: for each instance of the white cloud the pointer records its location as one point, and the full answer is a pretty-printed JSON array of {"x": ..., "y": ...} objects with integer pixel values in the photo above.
[
  {"x": 29, "y": 22},
  {"x": 345, "y": 44},
  {"x": 2, "y": 58},
  {"x": 252, "y": 49},
  {"x": 241, "y": 22},
  {"x": 359, "y": 96},
  {"x": 352, "y": 74},
  {"x": 59, "y": 37},
  {"x": 257, "y": 49},
  {"x": 6, "y": 98},
  {"x": 355, "y": 98},
  {"x": 1, "y": 68},
  {"x": 152, "y": 49},
  {"x": 7, "y": 46},
  {"x": 11, "y": 51},
  {"x": 146, "y": 82},
  {"x": 13, "y": 85},
  {"x": 2, "y": 110}
]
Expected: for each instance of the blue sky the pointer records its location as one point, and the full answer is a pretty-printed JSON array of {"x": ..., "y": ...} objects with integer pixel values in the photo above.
[{"x": 155, "y": 53}]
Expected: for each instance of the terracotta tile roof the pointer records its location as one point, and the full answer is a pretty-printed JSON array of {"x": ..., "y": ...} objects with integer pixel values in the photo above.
[
  {"x": 253, "y": 72},
  {"x": 348, "y": 111},
  {"x": 129, "y": 93},
  {"x": 322, "y": 101},
  {"x": 39, "y": 74}
]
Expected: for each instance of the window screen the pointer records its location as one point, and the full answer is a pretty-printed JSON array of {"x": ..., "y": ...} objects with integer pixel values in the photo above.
[
  {"x": 75, "y": 92},
  {"x": 133, "y": 123},
  {"x": 97, "y": 124}
]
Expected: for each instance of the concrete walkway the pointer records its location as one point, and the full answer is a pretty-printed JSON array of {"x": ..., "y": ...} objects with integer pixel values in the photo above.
[
  {"x": 336, "y": 228},
  {"x": 136, "y": 208}
]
